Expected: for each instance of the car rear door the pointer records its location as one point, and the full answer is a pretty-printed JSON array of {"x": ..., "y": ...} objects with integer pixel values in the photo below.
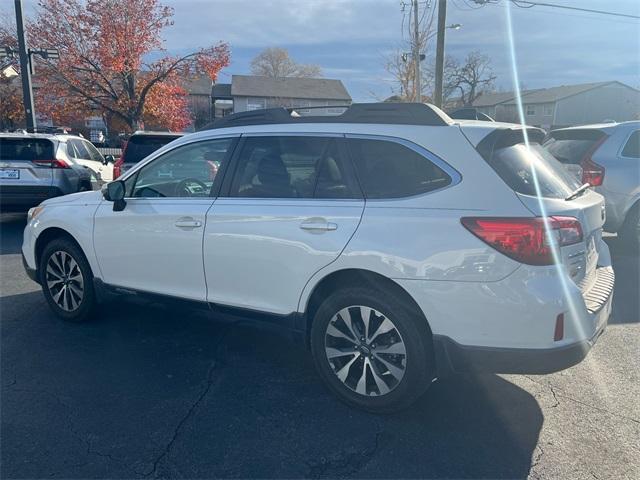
[
  {"x": 289, "y": 210},
  {"x": 25, "y": 168}
]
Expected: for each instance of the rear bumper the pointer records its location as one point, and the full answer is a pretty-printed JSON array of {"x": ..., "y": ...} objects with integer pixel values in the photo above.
[
  {"x": 16, "y": 198},
  {"x": 451, "y": 357}
]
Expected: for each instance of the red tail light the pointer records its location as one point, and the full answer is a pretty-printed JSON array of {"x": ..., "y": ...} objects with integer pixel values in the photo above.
[
  {"x": 117, "y": 168},
  {"x": 592, "y": 173},
  {"x": 524, "y": 239},
  {"x": 55, "y": 163}
]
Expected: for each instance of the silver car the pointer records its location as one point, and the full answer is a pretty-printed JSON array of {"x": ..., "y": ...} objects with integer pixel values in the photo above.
[
  {"x": 35, "y": 167},
  {"x": 606, "y": 156}
]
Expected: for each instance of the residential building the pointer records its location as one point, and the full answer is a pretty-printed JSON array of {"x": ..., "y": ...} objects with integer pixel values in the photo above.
[
  {"x": 565, "y": 105},
  {"x": 249, "y": 92}
]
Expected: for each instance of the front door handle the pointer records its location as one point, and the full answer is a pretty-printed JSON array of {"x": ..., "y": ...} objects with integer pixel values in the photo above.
[
  {"x": 318, "y": 225},
  {"x": 188, "y": 222}
]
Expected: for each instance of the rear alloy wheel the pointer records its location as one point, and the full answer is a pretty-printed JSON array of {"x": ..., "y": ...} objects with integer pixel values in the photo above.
[
  {"x": 371, "y": 351},
  {"x": 66, "y": 280},
  {"x": 365, "y": 350}
]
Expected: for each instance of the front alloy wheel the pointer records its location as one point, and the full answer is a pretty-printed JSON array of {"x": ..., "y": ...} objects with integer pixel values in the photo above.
[
  {"x": 64, "y": 281},
  {"x": 365, "y": 350},
  {"x": 67, "y": 281}
]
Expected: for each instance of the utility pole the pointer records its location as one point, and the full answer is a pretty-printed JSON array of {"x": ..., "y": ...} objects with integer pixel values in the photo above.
[
  {"x": 25, "y": 70},
  {"x": 442, "y": 18},
  {"x": 416, "y": 52}
]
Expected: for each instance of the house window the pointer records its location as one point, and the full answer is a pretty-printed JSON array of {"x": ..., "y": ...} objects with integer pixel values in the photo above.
[
  {"x": 256, "y": 103},
  {"x": 531, "y": 110},
  {"x": 548, "y": 110}
]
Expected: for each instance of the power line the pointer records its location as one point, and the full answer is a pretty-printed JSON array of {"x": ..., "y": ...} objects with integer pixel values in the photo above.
[{"x": 531, "y": 4}]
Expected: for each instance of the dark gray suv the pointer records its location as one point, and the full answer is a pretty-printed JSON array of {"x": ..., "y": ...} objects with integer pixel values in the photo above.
[{"x": 33, "y": 168}]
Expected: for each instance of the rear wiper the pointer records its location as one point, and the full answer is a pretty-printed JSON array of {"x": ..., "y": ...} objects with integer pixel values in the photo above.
[{"x": 578, "y": 191}]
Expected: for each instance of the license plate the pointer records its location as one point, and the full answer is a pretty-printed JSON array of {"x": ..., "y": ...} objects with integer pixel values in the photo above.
[{"x": 13, "y": 174}]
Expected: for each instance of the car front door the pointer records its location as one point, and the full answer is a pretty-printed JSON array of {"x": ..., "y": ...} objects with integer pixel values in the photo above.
[
  {"x": 155, "y": 243},
  {"x": 289, "y": 210}
]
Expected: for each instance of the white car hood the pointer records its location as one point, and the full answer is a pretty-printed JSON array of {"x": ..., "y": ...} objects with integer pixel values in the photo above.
[{"x": 82, "y": 198}]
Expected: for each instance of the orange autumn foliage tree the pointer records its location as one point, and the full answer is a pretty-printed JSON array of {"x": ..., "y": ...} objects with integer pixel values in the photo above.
[
  {"x": 11, "y": 109},
  {"x": 105, "y": 62}
]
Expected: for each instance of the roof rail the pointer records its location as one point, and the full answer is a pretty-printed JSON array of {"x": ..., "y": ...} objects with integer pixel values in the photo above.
[{"x": 384, "y": 113}]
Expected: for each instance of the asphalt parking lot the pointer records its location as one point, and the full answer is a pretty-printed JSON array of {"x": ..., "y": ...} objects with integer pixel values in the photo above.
[{"x": 147, "y": 390}]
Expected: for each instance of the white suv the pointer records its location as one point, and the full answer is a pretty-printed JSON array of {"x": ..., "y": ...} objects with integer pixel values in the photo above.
[{"x": 399, "y": 245}]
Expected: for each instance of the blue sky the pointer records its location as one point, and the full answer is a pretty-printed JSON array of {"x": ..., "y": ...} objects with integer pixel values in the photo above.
[{"x": 349, "y": 38}]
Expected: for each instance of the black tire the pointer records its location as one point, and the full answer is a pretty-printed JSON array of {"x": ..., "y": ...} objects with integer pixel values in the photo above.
[
  {"x": 419, "y": 363},
  {"x": 630, "y": 232},
  {"x": 87, "y": 302}
]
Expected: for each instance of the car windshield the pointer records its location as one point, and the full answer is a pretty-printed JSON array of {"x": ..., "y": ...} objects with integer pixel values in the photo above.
[
  {"x": 140, "y": 146},
  {"x": 520, "y": 167}
]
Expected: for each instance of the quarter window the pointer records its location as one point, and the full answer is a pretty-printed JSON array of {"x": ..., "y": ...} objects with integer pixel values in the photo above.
[
  {"x": 390, "y": 170},
  {"x": 632, "y": 147},
  {"x": 186, "y": 171},
  {"x": 291, "y": 167}
]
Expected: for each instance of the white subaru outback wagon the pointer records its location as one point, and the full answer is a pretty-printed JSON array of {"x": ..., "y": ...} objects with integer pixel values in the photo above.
[{"x": 400, "y": 246}]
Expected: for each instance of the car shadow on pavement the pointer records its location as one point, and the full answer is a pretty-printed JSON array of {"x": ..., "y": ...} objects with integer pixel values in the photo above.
[
  {"x": 146, "y": 390},
  {"x": 11, "y": 228},
  {"x": 626, "y": 301}
]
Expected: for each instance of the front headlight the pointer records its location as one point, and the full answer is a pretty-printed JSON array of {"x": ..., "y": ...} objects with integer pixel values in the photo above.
[{"x": 34, "y": 212}]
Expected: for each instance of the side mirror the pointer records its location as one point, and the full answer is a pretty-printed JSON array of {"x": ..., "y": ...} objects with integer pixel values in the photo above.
[
  {"x": 114, "y": 192},
  {"x": 108, "y": 159}
]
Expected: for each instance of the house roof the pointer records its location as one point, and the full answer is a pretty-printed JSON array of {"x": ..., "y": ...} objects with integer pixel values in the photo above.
[
  {"x": 290, "y": 87},
  {"x": 197, "y": 85},
  {"x": 539, "y": 95}
]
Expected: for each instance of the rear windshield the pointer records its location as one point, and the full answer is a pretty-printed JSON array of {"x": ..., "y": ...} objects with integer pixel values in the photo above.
[
  {"x": 519, "y": 167},
  {"x": 26, "y": 149},
  {"x": 140, "y": 146},
  {"x": 571, "y": 146}
]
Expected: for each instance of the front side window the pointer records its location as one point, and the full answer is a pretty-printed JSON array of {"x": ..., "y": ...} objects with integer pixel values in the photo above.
[
  {"x": 632, "y": 147},
  {"x": 187, "y": 171},
  {"x": 291, "y": 167},
  {"x": 94, "y": 154},
  {"x": 388, "y": 169}
]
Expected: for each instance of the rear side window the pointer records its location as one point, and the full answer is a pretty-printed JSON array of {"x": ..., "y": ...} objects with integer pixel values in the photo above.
[
  {"x": 291, "y": 167},
  {"x": 388, "y": 169},
  {"x": 27, "y": 149},
  {"x": 571, "y": 146},
  {"x": 141, "y": 146},
  {"x": 519, "y": 167},
  {"x": 632, "y": 147}
]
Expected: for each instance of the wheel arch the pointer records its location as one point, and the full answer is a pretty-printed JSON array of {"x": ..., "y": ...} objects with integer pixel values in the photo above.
[
  {"x": 49, "y": 234},
  {"x": 354, "y": 277}
]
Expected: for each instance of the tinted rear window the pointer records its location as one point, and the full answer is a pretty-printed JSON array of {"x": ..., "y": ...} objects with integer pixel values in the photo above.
[
  {"x": 571, "y": 146},
  {"x": 519, "y": 167},
  {"x": 26, "y": 149},
  {"x": 140, "y": 146}
]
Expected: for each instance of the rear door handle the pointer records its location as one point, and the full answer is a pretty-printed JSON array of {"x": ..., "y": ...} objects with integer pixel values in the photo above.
[
  {"x": 317, "y": 224},
  {"x": 188, "y": 222}
]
